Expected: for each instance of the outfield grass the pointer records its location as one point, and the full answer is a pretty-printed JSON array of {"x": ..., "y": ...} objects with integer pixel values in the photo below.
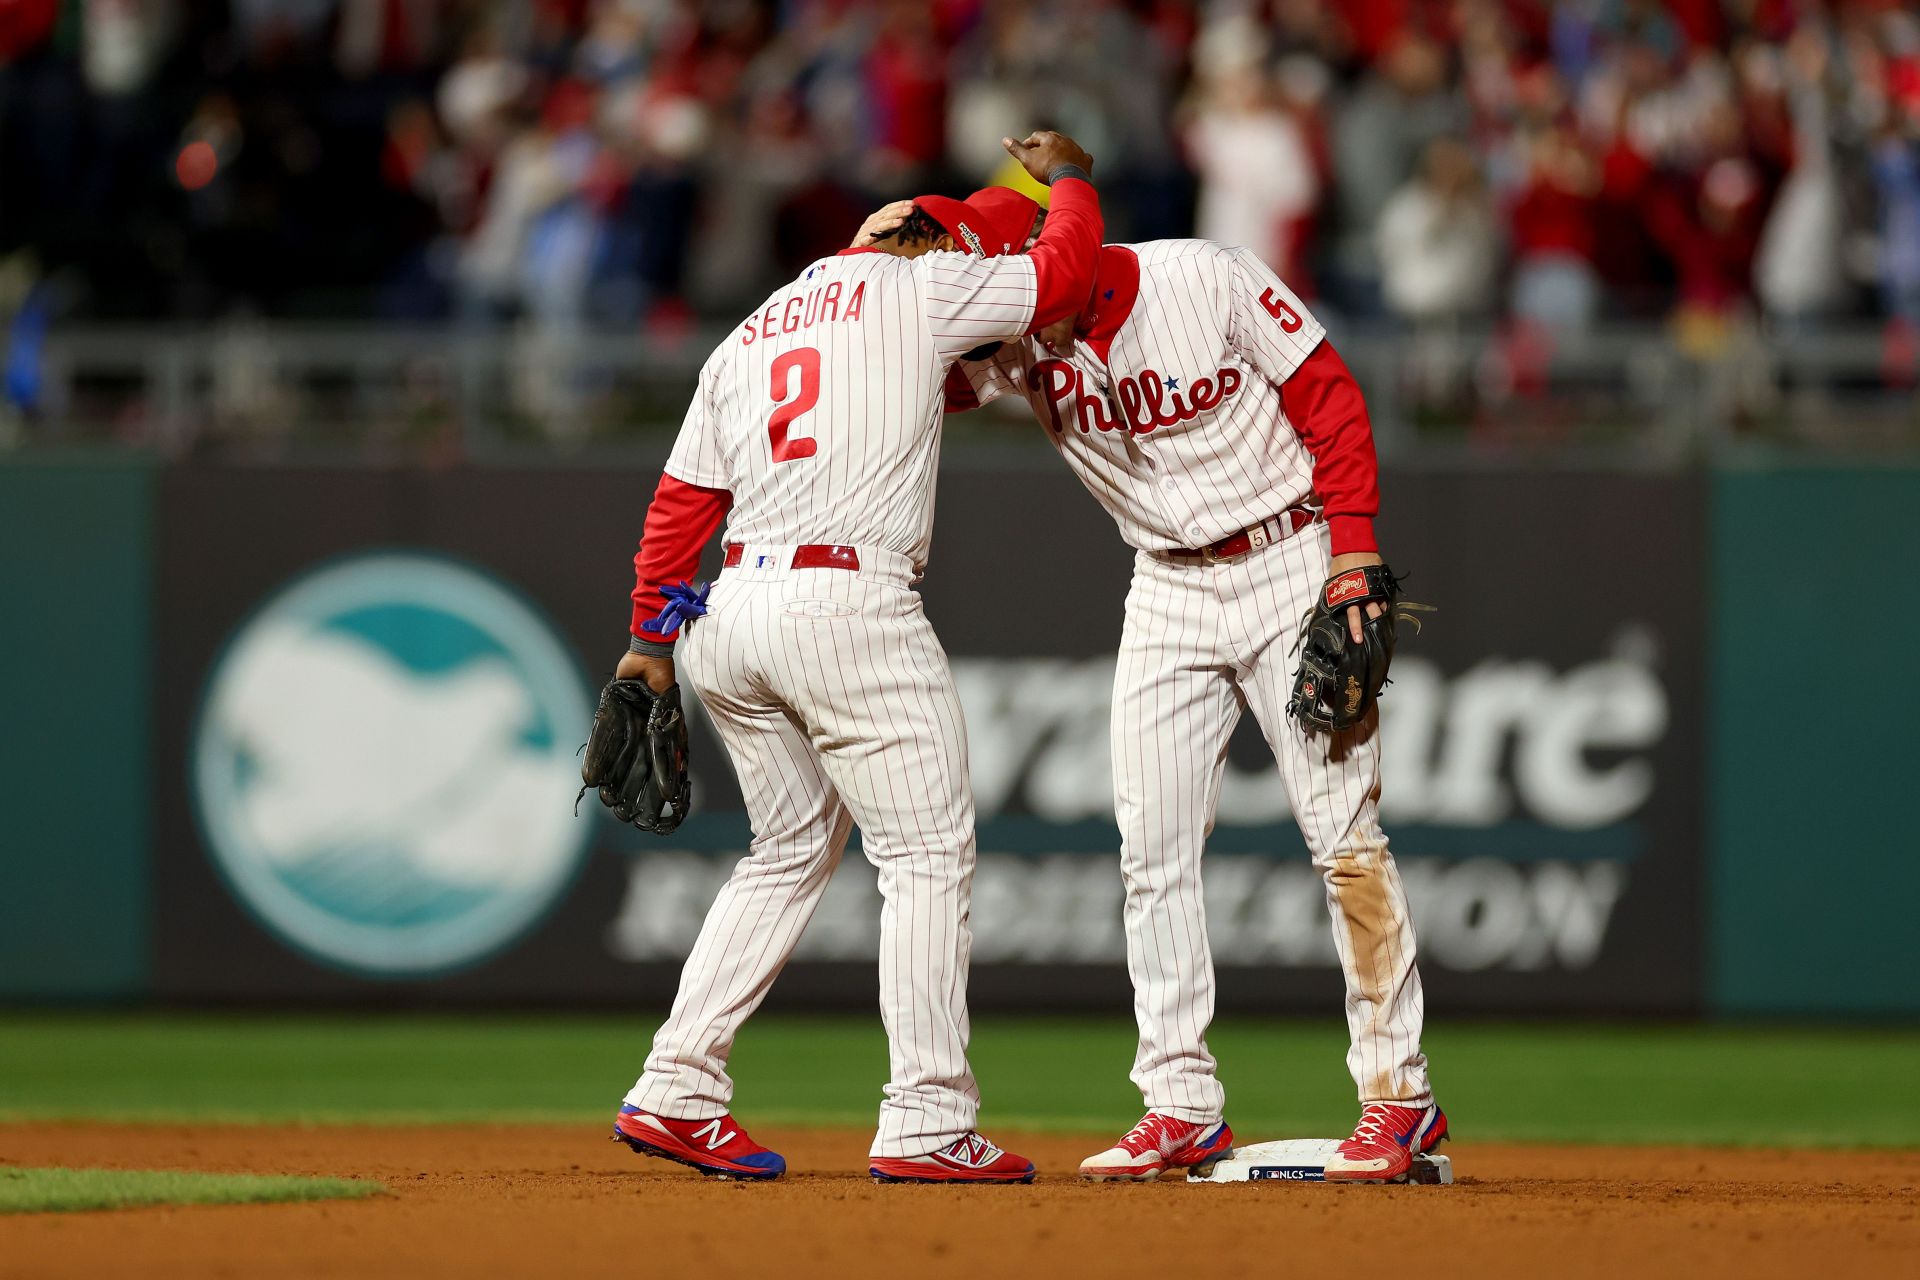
[
  {"x": 71, "y": 1190},
  {"x": 1547, "y": 1082}
]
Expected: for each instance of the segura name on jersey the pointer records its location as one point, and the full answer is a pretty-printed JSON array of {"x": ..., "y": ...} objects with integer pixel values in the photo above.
[{"x": 820, "y": 305}]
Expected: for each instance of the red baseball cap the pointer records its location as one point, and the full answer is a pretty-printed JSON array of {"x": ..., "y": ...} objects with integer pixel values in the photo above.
[
  {"x": 971, "y": 230},
  {"x": 1009, "y": 213},
  {"x": 988, "y": 223}
]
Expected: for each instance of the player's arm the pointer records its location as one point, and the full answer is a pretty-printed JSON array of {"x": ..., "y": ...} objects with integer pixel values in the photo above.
[
  {"x": 636, "y": 753},
  {"x": 1280, "y": 338},
  {"x": 1067, "y": 253},
  {"x": 681, "y": 520},
  {"x": 1325, "y": 406},
  {"x": 974, "y": 301},
  {"x": 688, "y": 505},
  {"x": 1324, "y": 403},
  {"x": 972, "y": 383}
]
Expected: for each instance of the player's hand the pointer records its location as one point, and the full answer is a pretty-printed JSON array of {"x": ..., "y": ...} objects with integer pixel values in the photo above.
[
  {"x": 657, "y": 672},
  {"x": 881, "y": 221},
  {"x": 1354, "y": 560},
  {"x": 1043, "y": 152}
]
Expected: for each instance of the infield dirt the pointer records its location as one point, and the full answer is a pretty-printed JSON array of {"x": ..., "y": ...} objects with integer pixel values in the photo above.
[{"x": 525, "y": 1200}]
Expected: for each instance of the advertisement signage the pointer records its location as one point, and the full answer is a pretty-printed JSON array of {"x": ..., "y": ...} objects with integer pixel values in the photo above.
[{"x": 423, "y": 644}]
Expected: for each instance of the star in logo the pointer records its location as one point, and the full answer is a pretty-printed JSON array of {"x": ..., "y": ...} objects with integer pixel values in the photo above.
[
  {"x": 1108, "y": 295},
  {"x": 1173, "y": 384}
]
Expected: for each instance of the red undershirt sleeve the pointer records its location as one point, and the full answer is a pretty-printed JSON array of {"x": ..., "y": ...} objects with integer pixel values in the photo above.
[
  {"x": 681, "y": 520},
  {"x": 1067, "y": 252},
  {"x": 1324, "y": 404}
]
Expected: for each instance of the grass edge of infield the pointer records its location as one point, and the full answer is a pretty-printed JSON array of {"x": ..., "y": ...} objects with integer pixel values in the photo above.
[
  {"x": 60, "y": 1189},
  {"x": 1504, "y": 1135}
]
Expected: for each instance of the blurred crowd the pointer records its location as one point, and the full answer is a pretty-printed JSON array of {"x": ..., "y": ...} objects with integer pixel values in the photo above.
[{"x": 626, "y": 162}]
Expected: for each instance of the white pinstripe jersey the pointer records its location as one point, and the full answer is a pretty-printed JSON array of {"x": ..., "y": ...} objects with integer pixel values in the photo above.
[
  {"x": 821, "y": 413},
  {"x": 1180, "y": 434}
]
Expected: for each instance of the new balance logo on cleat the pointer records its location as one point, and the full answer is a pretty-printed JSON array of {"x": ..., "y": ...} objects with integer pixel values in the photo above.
[
  {"x": 718, "y": 1148},
  {"x": 972, "y": 1152},
  {"x": 968, "y": 1158},
  {"x": 712, "y": 1134}
]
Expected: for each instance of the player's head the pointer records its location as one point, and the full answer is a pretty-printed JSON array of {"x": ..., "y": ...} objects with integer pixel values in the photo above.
[
  {"x": 941, "y": 223},
  {"x": 920, "y": 233}
]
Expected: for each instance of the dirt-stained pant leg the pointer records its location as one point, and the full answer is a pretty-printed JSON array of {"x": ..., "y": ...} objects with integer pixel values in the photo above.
[
  {"x": 1333, "y": 784},
  {"x": 800, "y": 830},
  {"x": 1174, "y": 708}
]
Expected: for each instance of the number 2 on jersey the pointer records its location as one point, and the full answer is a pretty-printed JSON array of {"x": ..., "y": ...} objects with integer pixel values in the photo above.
[{"x": 804, "y": 361}]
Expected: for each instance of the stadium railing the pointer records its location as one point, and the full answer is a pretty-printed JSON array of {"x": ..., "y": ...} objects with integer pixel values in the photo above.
[{"x": 1642, "y": 394}]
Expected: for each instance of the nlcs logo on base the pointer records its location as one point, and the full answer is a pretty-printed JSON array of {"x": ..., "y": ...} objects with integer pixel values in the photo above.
[{"x": 384, "y": 765}]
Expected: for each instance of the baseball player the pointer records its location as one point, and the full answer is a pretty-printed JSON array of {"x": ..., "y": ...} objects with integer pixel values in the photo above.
[
  {"x": 815, "y": 433},
  {"x": 1199, "y": 401}
]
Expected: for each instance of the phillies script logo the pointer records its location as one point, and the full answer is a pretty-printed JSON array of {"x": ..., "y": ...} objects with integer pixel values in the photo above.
[{"x": 1146, "y": 402}]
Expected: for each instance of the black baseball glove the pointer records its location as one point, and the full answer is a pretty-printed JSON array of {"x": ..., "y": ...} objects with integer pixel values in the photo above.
[
  {"x": 637, "y": 755},
  {"x": 1339, "y": 680}
]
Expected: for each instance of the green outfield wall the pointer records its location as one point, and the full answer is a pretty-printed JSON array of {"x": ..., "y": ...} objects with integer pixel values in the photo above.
[
  {"x": 1622, "y": 776},
  {"x": 1813, "y": 767},
  {"x": 76, "y": 690}
]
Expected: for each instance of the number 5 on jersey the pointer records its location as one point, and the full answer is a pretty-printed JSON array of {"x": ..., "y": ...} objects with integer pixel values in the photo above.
[
  {"x": 1277, "y": 307},
  {"x": 804, "y": 361}
]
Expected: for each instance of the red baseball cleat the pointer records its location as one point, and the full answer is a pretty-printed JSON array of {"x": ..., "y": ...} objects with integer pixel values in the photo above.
[
  {"x": 1385, "y": 1142},
  {"x": 966, "y": 1159},
  {"x": 718, "y": 1148},
  {"x": 1159, "y": 1143}
]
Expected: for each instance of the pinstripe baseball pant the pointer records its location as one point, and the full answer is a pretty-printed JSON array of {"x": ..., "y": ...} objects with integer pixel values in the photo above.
[
  {"x": 836, "y": 705},
  {"x": 1202, "y": 641}
]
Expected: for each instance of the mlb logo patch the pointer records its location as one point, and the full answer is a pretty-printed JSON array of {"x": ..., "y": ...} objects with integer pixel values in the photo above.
[{"x": 761, "y": 562}]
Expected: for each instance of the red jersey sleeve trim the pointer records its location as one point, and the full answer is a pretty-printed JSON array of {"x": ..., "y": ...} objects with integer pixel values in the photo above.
[
  {"x": 1067, "y": 252},
  {"x": 1324, "y": 404},
  {"x": 681, "y": 521},
  {"x": 1352, "y": 533}
]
